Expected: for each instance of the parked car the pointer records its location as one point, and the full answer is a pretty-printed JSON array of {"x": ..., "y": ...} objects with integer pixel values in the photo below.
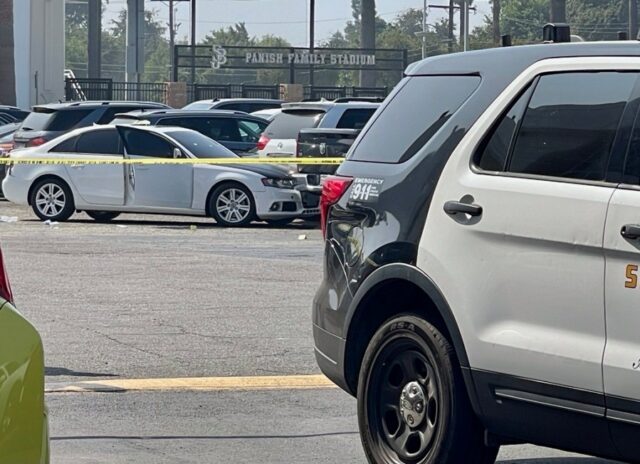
[
  {"x": 482, "y": 254},
  {"x": 279, "y": 138},
  {"x": 24, "y": 431},
  {"x": 6, "y": 145},
  {"x": 14, "y": 112},
  {"x": 232, "y": 195},
  {"x": 246, "y": 105},
  {"x": 237, "y": 131},
  {"x": 268, "y": 114},
  {"x": 47, "y": 122}
]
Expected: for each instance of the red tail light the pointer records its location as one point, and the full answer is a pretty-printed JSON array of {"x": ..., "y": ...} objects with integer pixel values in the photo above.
[
  {"x": 36, "y": 142},
  {"x": 262, "y": 143},
  {"x": 5, "y": 288},
  {"x": 333, "y": 188}
]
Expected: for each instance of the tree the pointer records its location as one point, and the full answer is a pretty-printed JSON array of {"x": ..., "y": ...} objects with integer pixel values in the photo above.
[{"x": 495, "y": 10}]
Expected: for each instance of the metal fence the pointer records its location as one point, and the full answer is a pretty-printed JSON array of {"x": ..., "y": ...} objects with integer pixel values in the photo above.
[{"x": 78, "y": 89}]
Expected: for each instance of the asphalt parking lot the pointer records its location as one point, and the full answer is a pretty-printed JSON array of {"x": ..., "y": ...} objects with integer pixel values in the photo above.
[{"x": 160, "y": 297}]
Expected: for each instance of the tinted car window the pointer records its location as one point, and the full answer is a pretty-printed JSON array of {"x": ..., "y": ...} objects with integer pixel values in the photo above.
[
  {"x": 198, "y": 106},
  {"x": 355, "y": 118},
  {"x": 246, "y": 107},
  {"x": 61, "y": 120},
  {"x": 201, "y": 146},
  {"x": 570, "y": 124},
  {"x": 287, "y": 124},
  {"x": 100, "y": 142},
  {"x": 416, "y": 113},
  {"x": 250, "y": 130},
  {"x": 495, "y": 150},
  {"x": 222, "y": 129},
  {"x": 68, "y": 146},
  {"x": 142, "y": 143}
]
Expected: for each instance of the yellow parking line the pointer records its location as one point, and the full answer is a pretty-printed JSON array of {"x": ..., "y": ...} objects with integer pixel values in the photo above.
[{"x": 287, "y": 382}]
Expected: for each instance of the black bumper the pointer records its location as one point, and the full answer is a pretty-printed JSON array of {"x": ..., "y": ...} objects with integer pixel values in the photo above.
[{"x": 329, "y": 350}]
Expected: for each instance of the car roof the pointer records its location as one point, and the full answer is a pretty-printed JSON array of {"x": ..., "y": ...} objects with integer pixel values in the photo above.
[
  {"x": 241, "y": 100},
  {"x": 513, "y": 60},
  {"x": 325, "y": 106},
  {"x": 98, "y": 104},
  {"x": 185, "y": 113}
]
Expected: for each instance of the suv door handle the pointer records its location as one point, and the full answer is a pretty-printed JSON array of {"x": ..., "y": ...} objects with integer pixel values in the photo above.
[
  {"x": 630, "y": 231},
  {"x": 455, "y": 207}
]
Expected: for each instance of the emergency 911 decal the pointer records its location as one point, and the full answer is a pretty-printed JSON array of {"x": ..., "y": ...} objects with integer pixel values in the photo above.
[{"x": 366, "y": 189}]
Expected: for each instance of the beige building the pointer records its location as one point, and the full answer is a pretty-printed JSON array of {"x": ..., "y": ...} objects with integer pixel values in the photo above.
[{"x": 38, "y": 30}]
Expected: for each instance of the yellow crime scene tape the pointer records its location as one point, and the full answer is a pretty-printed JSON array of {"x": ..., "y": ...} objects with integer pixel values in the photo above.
[{"x": 134, "y": 161}]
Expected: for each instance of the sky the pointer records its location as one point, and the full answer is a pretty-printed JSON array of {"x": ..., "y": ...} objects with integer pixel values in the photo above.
[{"x": 286, "y": 18}]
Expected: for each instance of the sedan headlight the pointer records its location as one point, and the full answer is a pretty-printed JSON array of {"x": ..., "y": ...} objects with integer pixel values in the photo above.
[{"x": 279, "y": 183}]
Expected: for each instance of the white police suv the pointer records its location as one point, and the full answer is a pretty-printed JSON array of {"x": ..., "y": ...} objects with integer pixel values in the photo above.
[{"x": 481, "y": 258}]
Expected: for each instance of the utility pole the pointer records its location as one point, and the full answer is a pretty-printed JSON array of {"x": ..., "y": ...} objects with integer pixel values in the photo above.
[
  {"x": 95, "y": 36},
  {"x": 558, "y": 11},
  {"x": 312, "y": 39},
  {"x": 135, "y": 40},
  {"x": 451, "y": 10},
  {"x": 496, "y": 21},
  {"x": 368, "y": 38},
  {"x": 193, "y": 41},
  {"x": 452, "y": 7},
  {"x": 465, "y": 27},
  {"x": 424, "y": 29},
  {"x": 633, "y": 19}
]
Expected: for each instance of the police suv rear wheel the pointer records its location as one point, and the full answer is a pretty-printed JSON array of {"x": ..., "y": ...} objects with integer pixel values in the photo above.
[{"x": 412, "y": 402}]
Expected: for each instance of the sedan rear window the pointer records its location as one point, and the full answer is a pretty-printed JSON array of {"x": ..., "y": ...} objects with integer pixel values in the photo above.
[
  {"x": 287, "y": 124},
  {"x": 417, "y": 112},
  {"x": 48, "y": 120}
]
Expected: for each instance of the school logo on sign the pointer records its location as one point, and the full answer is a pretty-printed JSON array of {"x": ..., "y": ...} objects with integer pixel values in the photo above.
[{"x": 218, "y": 57}]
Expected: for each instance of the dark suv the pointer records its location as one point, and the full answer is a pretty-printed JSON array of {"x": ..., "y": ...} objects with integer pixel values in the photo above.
[
  {"x": 482, "y": 247},
  {"x": 237, "y": 131},
  {"x": 47, "y": 122}
]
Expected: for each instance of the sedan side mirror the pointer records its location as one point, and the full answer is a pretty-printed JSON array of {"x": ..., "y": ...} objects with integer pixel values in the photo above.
[{"x": 177, "y": 153}]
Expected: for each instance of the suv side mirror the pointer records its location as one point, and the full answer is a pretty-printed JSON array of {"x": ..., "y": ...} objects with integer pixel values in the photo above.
[{"x": 177, "y": 153}]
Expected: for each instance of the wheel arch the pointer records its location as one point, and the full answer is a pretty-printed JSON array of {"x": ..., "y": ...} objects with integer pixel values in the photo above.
[
  {"x": 410, "y": 291},
  {"x": 46, "y": 176}
]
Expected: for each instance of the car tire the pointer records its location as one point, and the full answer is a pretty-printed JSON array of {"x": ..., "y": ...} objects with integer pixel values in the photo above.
[
  {"x": 51, "y": 199},
  {"x": 412, "y": 401},
  {"x": 232, "y": 205},
  {"x": 102, "y": 216}
]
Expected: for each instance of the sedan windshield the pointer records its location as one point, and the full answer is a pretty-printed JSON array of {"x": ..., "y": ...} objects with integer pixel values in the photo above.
[{"x": 201, "y": 146}]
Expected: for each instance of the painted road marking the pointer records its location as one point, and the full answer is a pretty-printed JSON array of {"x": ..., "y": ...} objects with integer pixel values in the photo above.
[{"x": 287, "y": 382}]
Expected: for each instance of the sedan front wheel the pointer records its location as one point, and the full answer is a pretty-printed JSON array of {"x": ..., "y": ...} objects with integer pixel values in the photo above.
[
  {"x": 51, "y": 199},
  {"x": 232, "y": 205}
]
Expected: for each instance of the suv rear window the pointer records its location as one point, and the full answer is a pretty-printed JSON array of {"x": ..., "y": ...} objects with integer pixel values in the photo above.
[
  {"x": 417, "y": 112},
  {"x": 54, "y": 120},
  {"x": 287, "y": 124}
]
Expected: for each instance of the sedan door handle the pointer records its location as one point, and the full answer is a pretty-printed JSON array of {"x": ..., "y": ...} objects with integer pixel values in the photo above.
[
  {"x": 630, "y": 231},
  {"x": 78, "y": 166},
  {"x": 455, "y": 207}
]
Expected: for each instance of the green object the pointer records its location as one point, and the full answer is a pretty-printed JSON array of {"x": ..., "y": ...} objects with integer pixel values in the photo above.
[{"x": 24, "y": 435}]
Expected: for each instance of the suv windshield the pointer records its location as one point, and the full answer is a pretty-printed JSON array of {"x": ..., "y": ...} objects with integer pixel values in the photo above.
[
  {"x": 52, "y": 120},
  {"x": 287, "y": 124},
  {"x": 201, "y": 146},
  {"x": 417, "y": 112}
]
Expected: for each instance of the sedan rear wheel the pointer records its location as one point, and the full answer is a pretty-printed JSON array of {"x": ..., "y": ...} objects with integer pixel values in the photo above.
[
  {"x": 232, "y": 205},
  {"x": 51, "y": 199}
]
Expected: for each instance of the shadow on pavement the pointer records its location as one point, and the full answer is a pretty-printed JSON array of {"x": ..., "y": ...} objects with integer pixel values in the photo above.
[
  {"x": 202, "y": 437},
  {"x": 53, "y": 371},
  {"x": 200, "y": 223},
  {"x": 555, "y": 461}
]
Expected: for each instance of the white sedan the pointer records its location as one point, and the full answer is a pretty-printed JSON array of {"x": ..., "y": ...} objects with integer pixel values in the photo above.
[{"x": 233, "y": 195}]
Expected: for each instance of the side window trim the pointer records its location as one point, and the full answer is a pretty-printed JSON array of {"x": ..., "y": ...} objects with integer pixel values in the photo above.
[{"x": 529, "y": 92}]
